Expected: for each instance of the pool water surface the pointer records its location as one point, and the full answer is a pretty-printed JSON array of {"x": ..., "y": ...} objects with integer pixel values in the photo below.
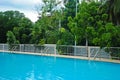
[{"x": 32, "y": 67}]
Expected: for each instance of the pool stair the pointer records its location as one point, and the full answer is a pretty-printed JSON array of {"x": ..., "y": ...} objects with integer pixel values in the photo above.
[{"x": 13, "y": 49}]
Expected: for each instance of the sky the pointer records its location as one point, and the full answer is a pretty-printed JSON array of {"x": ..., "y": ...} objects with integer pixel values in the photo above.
[
  {"x": 28, "y": 7},
  {"x": 24, "y": 6}
]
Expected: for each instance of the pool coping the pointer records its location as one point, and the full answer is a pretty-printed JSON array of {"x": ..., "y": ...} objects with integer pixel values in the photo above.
[{"x": 65, "y": 56}]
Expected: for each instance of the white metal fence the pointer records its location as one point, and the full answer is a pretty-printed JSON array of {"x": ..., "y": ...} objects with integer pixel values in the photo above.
[{"x": 85, "y": 51}]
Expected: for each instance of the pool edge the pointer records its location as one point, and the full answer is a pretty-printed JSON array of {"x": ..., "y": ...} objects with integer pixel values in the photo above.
[{"x": 65, "y": 56}]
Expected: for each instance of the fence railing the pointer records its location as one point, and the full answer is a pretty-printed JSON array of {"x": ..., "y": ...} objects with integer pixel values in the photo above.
[{"x": 84, "y": 51}]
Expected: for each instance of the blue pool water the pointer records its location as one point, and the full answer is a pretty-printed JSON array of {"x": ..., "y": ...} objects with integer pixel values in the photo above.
[{"x": 29, "y": 67}]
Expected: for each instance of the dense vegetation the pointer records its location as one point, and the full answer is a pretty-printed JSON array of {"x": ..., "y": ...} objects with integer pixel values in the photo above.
[{"x": 92, "y": 22}]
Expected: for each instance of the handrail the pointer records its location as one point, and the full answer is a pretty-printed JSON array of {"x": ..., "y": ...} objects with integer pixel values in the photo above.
[
  {"x": 96, "y": 54},
  {"x": 13, "y": 49},
  {"x": 46, "y": 49}
]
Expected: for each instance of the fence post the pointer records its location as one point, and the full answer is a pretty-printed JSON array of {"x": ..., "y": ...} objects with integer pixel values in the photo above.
[
  {"x": 55, "y": 49},
  {"x": 89, "y": 52},
  {"x": 75, "y": 50},
  {"x": 3, "y": 47},
  {"x": 20, "y": 47}
]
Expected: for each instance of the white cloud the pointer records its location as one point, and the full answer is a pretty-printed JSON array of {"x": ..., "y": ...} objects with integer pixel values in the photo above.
[
  {"x": 26, "y": 2},
  {"x": 31, "y": 14},
  {"x": 25, "y": 6}
]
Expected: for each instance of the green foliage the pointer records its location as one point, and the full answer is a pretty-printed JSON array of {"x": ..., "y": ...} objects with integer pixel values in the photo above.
[
  {"x": 11, "y": 38},
  {"x": 96, "y": 23},
  {"x": 49, "y": 7},
  {"x": 82, "y": 26},
  {"x": 62, "y": 30},
  {"x": 113, "y": 10},
  {"x": 106, "y": 35},
  {"x": 8, "y": 20},
  {"x": 41, "y": 42},
  {"x": 69, "y": 11},
  {"x": 46, "y": 28},
  {"x": 52, "y": 37},
  {"x": 65, "y": 38},
  {"x": 17, "y": 23}
]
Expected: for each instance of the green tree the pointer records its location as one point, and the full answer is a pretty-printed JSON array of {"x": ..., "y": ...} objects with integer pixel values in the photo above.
[
  {"x": 47, "y": 24},
  {"x": 24, "y": 28},
  {"x": 11, "y": 19},
  {"x": 70, "y": 10},
  {"x": 106, "y": 36},
  {"x": 36, "y": 34},
  {"x": 11, "y": 39},
  {"x": 113, "y": 10},
  {"x": 48, "y": 7},
  {"x": 65, "y": 37},
  {"x": 83, "y": 25}
]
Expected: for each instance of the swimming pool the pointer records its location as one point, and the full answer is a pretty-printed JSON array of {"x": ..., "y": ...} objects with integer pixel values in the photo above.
[{"x": 31, "y": 67}]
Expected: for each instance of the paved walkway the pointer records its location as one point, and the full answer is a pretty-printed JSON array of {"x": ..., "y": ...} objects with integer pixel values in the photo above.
[{"x": 65, "y": 56}]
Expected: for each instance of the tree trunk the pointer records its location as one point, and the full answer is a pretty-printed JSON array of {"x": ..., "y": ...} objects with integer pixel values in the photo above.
[{"x": 87, "y": 47}]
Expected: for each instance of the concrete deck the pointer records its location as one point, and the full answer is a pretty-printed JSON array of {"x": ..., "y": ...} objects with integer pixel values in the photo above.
[{"x": 66, "y": 56}]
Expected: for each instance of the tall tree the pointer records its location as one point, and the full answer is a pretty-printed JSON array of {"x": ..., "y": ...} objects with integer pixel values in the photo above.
[
  {"x": 11, "y": 39},
  {"x": 70, "y": 10},
  {"x": 113, "y": 10},
  {"x": 23, "y": 30},
  {"x": 11, "y": 19},
  {"x": 48, "y": 7},
  {"x": 83, "y": 25},
  {"x": 48, "y": 22}
]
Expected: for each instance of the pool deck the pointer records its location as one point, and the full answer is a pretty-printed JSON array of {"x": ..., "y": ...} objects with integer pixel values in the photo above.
[{"x": 66, "y": 56}]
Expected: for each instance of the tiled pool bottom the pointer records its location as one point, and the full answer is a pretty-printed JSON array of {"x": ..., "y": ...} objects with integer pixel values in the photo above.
[{"x": 33, "y": 67}]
